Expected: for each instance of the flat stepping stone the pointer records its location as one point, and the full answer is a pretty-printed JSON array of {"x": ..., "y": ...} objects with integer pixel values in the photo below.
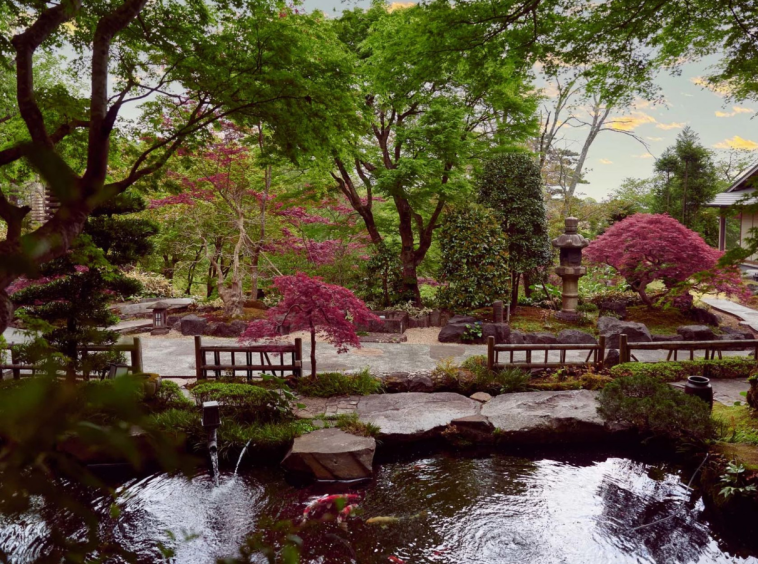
[
  {"x": 569, "y": 416},
  {"x": 414, "y": 416},
  {"x": 331, "y": 454}
]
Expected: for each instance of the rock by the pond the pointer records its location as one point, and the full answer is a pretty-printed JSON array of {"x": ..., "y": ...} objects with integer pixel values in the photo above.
[
  {"x": 612, "y": 358},
  {"x": 567, "y": 416},
  {"x": 193, "y": 325},
  {"x": 696, "y": 333},
  {"x": 576, "y": 337},
  {"x": 611, "y": 328},
  {"x": 475, "y": 428},
  {"x": 501, "y": 332},
  {"x": 414, "y": 416},
  {"x": 540, "y": 339},
  {"x": 452, "y": 333},
  {"x": 666, "y": 338},
  {"x": 517, "y": 338},
  {"x": 331, "y": 454},
  {"x": 735, "y": 331},
  {"x": 396, "y": 382},
  {"x": 482, "y": 397},
  {"x": 421, "y": 384}
]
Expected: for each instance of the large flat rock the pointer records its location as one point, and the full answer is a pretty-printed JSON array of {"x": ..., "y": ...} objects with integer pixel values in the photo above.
[
  {"x": 331, "y": 454},
  {"x": 541, "y": 417},
  {"x": 414, "y": 415}
]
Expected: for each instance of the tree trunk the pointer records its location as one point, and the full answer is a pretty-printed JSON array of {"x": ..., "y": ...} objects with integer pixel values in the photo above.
[
  {"x": 408, "y": 256},
  {"x": 515, "y": 276},
  {"x": 527, "y": 285},
  {"x": 254, "y": 273},
  {"x": 313, "y": 352}
]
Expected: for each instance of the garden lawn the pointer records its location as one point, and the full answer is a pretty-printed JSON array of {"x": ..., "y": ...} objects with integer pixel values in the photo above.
[{"x": 529, "y": 319}]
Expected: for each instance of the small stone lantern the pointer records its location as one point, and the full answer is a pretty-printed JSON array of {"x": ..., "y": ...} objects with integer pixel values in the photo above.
[
  {"x": 570, "y": 270},
  {"x": 160, "y": 319}
]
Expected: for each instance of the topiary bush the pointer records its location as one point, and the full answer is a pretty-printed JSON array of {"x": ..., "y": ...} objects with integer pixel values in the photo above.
[
  {"x": 247, "y": 402},
  {"x": 729, "y": 367},
  {"x": 654, "y": 407},
  {"x": 474, "y": 256}
]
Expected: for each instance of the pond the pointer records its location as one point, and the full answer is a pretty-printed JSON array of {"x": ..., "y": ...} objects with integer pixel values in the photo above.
[{"x": 575, "y": 508}]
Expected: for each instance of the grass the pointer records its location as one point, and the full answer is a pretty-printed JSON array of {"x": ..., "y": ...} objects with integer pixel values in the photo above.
[
  {"x": 332, "y": 384},
  {"x": 736, "y": 423},
  {"x": 351, "y": 424},
  {"x": 528, "y": 319},
  {"x": 233, "y": 435},
  {"x": 728, "y": 367},
  {"x": 660, "y": 321},
  {"x": 504, "y": 381}
]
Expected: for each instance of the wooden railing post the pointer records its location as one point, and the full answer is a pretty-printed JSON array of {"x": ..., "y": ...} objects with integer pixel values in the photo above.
[
  {"x": 199, "y": 372},
  {"x": 14, "y": 360},
  {"x": 600, "y": 351},
  {"x": 490, "y": 352},
  {"x": 299, "y": 355},
  {"x": 624, "y": 355},
  {"x": 136, "y": 354}
]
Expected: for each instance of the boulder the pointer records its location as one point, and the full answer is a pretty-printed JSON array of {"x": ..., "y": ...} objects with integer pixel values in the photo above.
[
  {"x": 452, "y": 333},
  {"x": 421, "y": 384},
  {"x": 576, "y": 337},
  {"x": 617, "y": 308},
  {"x": 735, "y": 331},
  {"x": 611, "y": 328},
  {"x": 501, "y": 332},
  {"x": 228, "y": 330},
  {"x": 703, "y": 316},
  {"x": 475, "y": 428},
  {"x": 193, "y": 325},
  {"x": 458, "y": 319},
  {"x": 696, "y": 333},
  {"x": 567, "y": 416},
  {"x": 331, "y": 454},
  {"x": 396, "y": 382},
  {"x": 414, "y": 416},
  {"x": 666, "y": 338},
  {"x": 481, "y": 397},
  {"x": 611, "y": 358},
  {"x": 540, "y": 339},
  {"x": 517, "y": 338},
  {"x": 734, "y": 337}
]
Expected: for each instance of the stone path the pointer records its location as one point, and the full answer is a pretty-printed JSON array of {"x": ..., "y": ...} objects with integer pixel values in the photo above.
[{"x": 749, "y": 316}]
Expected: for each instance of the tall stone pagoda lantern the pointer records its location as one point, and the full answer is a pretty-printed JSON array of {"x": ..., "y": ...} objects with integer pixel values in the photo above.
[{"x": 570, "y": 270}]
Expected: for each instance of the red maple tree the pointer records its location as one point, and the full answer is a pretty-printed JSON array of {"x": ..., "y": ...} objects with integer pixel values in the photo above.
[
  {"x": 647, "y": 247},
  {"x": 310, "y": 304}
]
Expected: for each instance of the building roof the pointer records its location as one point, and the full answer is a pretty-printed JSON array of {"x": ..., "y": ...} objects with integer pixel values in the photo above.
[{"x": 740, "y": 189}]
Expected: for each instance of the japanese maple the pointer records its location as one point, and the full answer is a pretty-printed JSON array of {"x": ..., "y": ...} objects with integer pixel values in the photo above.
[
  {"x": 647, "y": 247},
  {"x": 310, "y": 304}
]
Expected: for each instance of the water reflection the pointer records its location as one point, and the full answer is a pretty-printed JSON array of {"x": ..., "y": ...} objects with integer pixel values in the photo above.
[{"x": 441, "y": 509}]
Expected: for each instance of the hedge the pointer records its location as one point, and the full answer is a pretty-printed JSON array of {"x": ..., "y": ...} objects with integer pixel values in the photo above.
[
  {"x": 246, "y": 400},
  {"x": 730, "y": 367}
]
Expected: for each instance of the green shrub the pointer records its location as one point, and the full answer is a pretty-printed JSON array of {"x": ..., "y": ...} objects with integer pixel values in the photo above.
[
  {"x": 331, "y": 384},
  {"x": 184, "y": 421},
  {"x": 247, "y": 401},
  {"x": 351, "y": 424},
  {"x": 729, "y": 367},
  {"x": 508, "y": 380},
  {"x": 234, "y": 435},
  {"x": 652, "y": 406}
]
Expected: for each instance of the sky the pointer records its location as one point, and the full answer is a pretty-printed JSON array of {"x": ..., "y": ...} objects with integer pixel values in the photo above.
[{"x": 615, "y": 156}]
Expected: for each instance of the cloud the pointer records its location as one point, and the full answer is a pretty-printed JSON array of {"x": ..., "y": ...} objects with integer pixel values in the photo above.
[
  {"x": 643, "y": 156},
  {"x": 735, "y": 110},
  {"x": 721, "y": 89},
  {"x": 672, "y": 125},
  {"x": 655, "y": 138},
  {"x": 400, "y": 5},
  {"x": 687, "y": 95},
  {"x": 631, "y": 122},
  {"x": 737, "y": 142},
  {"x": 606, "y": 161}
]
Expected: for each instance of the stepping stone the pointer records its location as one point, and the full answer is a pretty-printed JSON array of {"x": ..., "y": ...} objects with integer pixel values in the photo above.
[
  {"x": 414, "y": 415},
  {"x": 569, "y": 416},
  {"x": 481, "y": 397},
  {"x": 331, "y": 454}
]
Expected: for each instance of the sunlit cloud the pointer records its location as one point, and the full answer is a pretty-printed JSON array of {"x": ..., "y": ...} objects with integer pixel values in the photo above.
[
  {"x": 722, "y": 88},
  {"x": 737, "y": 142},
  {"x": 631, "y": 122},
  {"x": 606, "y": 161},
  {"x": 643, "y": 156},
  {"x": 735, "y": 110},
  {"x": 400, "y": 5},
  {"x": 672, "y": 125}
]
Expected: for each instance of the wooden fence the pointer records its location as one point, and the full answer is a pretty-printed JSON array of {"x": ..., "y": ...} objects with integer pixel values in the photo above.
[
  {"x": 202, "y": 366},
  {"x": 711, "y": 348},
  {"x": 19, "y": 368},
  {"x": 595, "y": 355}
]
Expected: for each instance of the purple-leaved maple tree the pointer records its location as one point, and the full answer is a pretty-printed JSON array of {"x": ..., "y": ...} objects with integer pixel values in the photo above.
[{"x": 310, "y": 304}]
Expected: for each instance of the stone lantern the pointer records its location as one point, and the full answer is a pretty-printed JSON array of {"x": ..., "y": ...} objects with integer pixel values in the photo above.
[
  {"x": 570, "y": 270},
  {"x": 160, "y": 319}
]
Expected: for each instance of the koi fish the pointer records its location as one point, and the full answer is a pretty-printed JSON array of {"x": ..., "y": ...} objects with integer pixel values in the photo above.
[
  {"x": 327, "y": 502},
  {"x": 345, "y": 513},
  {"x": 382, "y": 520}
]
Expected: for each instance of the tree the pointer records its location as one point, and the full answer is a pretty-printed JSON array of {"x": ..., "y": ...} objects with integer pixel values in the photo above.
[
  {"x": 687, "y": 181},
  {"x": 173, "y": 60},
  {"x": 474, "y": 259},
  {"x": 511, "y": 184},
  {"x": 309, "y": 304},
  {"x": 430, "y": 118},
  {"x": 644, "y": 248}
]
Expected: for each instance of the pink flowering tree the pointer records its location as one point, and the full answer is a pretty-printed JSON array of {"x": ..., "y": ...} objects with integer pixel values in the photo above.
[
  {"x": 310, "y": 304},
  {"x": 647, "y": 247}
]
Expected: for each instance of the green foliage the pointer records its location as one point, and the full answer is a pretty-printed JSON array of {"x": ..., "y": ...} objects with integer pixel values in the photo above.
[
  {"x": 350, "y": 423},
  {"x": 654, "y": 407},
  {"x": 247, "y": 402},
  {"x": 169, "y": 395},
  {"x": 383, "y": 283},
  {"x": 474, "y": 259},
  {"x": 736, "y": 423},
  {"x": 511, "y": 184},
  {"x": 331, "y": 384},
  {"x": 233, "y": 435},
  {"x": 728, "y": 367},
  {"x": 735, "y": 482},
  {"x": 473, "y": 332},
  {"x": 508, "y": 380}
]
